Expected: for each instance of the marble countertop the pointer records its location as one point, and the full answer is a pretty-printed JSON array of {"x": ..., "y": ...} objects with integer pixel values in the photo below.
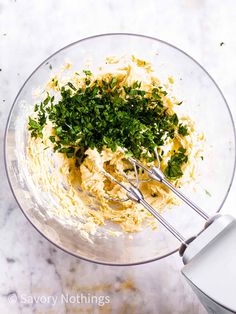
[{"x": 29, "y": 265}]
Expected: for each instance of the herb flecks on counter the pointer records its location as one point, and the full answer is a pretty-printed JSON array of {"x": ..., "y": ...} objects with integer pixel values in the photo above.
[{"x": 106, "y": 113}]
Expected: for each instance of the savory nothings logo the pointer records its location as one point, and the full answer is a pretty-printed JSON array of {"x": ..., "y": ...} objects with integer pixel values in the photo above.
[{"x": 66, "y": 298}]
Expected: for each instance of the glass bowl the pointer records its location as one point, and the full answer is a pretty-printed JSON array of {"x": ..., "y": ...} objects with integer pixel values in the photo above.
[{"x": 202, "y": 100}]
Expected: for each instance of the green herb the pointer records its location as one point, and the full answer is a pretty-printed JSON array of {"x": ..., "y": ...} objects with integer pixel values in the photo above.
[
  {"x": 70, "y": 151},
  {"x": 87, "y": 72},
  {"x": 35, "y": 127},
  {"x": 136, "y": 84},
  {"x": 55, "y": 82},
  {"x": 59, "y": 131},
  {"x": 104, "y": 114},
  {"x": 207, "y": 192},
  {"x": 128, "y": 169},
  {"x": 173, "y": 170},
  {"x": 113, "y": 82},
  {"x": 175, "y": 119},
  {"x": 183, "y": 129},
  {"x": 52, "y": 139},
  {"x": 71, "y": 86}
]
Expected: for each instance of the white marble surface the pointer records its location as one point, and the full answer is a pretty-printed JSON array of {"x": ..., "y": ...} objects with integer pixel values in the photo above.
[{"x": 29, "y": 32}]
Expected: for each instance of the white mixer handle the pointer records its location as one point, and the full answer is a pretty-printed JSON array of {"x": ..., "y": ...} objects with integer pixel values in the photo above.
[{"x": 210, "y": 265}]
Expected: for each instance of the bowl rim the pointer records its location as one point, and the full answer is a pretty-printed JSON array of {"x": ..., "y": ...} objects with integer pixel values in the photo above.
[{"x": 45, "y": 61}]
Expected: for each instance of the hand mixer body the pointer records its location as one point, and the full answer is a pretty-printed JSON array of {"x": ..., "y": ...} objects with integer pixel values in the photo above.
[{"x": 210, "y": 266}]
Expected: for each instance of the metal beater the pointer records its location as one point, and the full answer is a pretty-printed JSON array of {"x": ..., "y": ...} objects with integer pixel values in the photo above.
[{"x": 209, "y": 257}]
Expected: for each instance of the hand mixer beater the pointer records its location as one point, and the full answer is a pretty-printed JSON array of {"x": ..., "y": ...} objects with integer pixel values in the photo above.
[{"x": 209, "y": 257}]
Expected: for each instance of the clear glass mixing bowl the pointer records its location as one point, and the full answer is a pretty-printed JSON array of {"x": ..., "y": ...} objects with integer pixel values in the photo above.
[{"x": 202, "y": 100}]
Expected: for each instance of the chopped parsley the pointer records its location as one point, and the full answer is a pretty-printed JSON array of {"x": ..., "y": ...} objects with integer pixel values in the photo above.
[
  {"x": 105, "y": 113},
  {"x": 35, "y": 127},
  {"x": 87, "y": 72},
  {"x": 183, "y": 129},
  {"x": 207, "y": 192},
  {"x": 174, "y": 165}
]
